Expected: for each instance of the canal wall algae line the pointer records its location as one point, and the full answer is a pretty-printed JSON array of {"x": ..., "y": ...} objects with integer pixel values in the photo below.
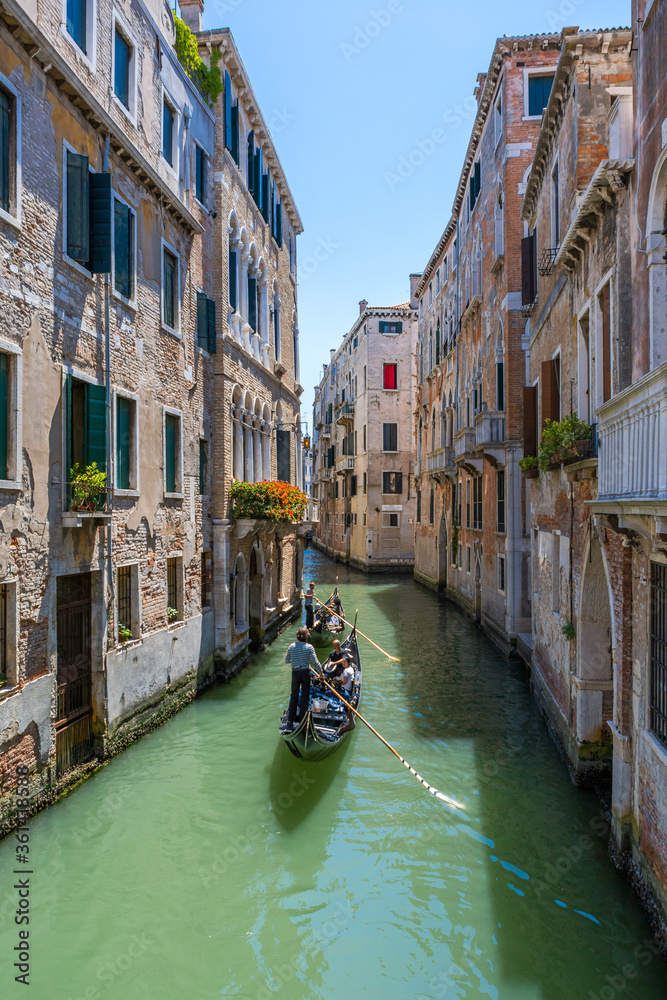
[{"x": 45, "y": 787}]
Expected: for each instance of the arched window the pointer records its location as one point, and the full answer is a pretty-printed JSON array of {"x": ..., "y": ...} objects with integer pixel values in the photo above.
[
  {"x": 276, "y": 323},
  {"x": 656, "y": 258},
  {"x": 240, "y": 596},
  {"x": 295, "y": 346}
]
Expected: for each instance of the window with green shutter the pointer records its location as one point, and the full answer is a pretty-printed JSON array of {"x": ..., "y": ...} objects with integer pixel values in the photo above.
[
  {"x": 171, "y": 444},
  {"x": 124, "y": 408},
  {"x": 206, "y": 332},
  {"x": 99, "y": 215},
  {"x": 203, "y": 463},
  {"x": 390, "y": 437},
  {"x": 168, "y": 132},
  {"x": 121, "y": 75},
  {"x": 6, "y": 112},
  {"x": 235, "y": 134},
  {"x": 251, "y": 162},
  {"x": 4, "y": 416},
  {"x": 210, "y": 326},
  {"x": 200, "y": 174},
  {"x": 539, "y": 91},
  {"x": 233, "y": 300},
  {"x": 258, "y": 187},
  {"x": 252, "y": 303},
  {"x": 86, "y": 424},
  {"x": 123, "y": 249},
  {"x": 78, "y": 208},
  {"x": 266, "y": 188},
  {"x": 283, "y": 456},
  {"x": 77, "y": 22},
  {"x": 169, "y": 289}
]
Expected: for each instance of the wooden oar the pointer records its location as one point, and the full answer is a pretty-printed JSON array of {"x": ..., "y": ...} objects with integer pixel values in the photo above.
[
  {"x": 429, "y": 788},
  {"x": 383, "y": 651}
]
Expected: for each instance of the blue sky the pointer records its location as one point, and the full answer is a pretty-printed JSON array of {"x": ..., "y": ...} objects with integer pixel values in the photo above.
[{"x": 349, "y": 89}]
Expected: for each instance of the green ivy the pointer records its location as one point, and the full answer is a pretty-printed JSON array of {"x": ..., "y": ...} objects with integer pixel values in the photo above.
[
  {"x": 207, "y": 79},
  {"x": 568, "y": 631},
  {"x": 528, "y": 464}
]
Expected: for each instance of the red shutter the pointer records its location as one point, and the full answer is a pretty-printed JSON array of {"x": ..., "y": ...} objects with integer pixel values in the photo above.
[
  {"x": 389, "y": 377},
  {"x": 530, "y": 420},
  {"x": 550, "y": 391}
]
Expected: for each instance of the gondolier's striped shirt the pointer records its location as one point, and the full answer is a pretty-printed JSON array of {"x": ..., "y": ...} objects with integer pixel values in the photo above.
[{"x": 300, "y": 654}]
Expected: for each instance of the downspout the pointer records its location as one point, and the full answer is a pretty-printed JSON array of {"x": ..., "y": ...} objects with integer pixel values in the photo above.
[{"x": 107, "y": 377}]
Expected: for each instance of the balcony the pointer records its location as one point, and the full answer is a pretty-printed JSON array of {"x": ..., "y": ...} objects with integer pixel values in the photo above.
[
  {"x": 344, "y": 464},
  {"x": 324, "y": 474},
  {"x": 325, "y": 431},
  {"x": 632, "y": 442},
  {"x": 310, "y": 519},
  {"x": 465, "y": 442},
  {"x": 441, "y": 461},
  {"x": 82, "y": 508},
  {"x": 490, "y": 435},
  {"x": 345, "y": 413}
]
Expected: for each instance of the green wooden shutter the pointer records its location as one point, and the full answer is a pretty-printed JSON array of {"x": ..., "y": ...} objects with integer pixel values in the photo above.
[
  {"x": 259, "y": 173},
  {"x": 123, "y": 266},
  {"x": 169, "y": 291},
  {"x": 235, "y": 133},
  {"x": 96, "y": 426},
  {"x": 76, "y": 22},
  {"x": 121, "y": 83},
  {"x": 283, "y": 455},
  {"x": 279, "y": 225},
  {"x": 252, "y": 303},
  {"x": 251, "y": 162},
  {"x": 201, "y": 319},
  {"x": 4, "y": 416},
  {"x": 100, "y": 223},
  {"x": 232, "y": 280},
  {"x": 202, "y": 467},
  {"x": 5, "y": 112},
  {"x": 170, "y": 453},
  {"x": 122, "y": 443},
  {"x": 266, "y": 184},
  {"x": 78, "y": 225},
  {"x": 228, "y": 111},
  {"x": 272, "y": 209},
  {"x": 167, "y": 133},
  {"x": 210, "y": 326}
]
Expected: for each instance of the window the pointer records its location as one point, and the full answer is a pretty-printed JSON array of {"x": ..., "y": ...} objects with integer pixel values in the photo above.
[
  {"x": 500, "y": 385},
  {"x": 206, "y": 323},
  {"x": 364, "y": 437},
  {"x": 584, "y": 368},
  {"x": 200, "y": 174},
  {"x": 555, "y": 207},
  {"x": 3, "y": 632},
  {"x": 658, "y": 698},
  {"x": 174, "y": 589},
  {"x": 233, "y": 280},
  {"x": 276, "y": 327},
  {"x": 77, "y": 23},
  {"x": 126, "y": 443},
  {"x": 173, "y": 453},
  {"x": 123, "y": 249},
  {"x": 284, "y": 456},
  {"x": 127, "y": 597},
  {"x": 353, "y": 486},
  {"x": 539, "y": 90},
  {"x": 501, "y": 574},
  {"x": 467, "y": 558},
  {"x": 123, "y": 52},
  {"x": 500, "y": 500},
  {"x": 529, "y": 269},
  {"x": 468, "y": 505},
  {"x": 477, "y": 503},
  {"x": 8, "y": 671},
  {"x": 475, "y": 184},
  {"x": 168, "y": 121},
  {"x": 432, "y": 507},
  {"x": 170, "y": 289},
  {"x": 203, "y": 466},
  {"x": 390, "y": 437},
  {"x": 390, "y": 520},
  {"x": 365, "y": 482},
  {"x": 419, "y": 506},
  {"x": 10, "y": 425},
  {"x": 232, "y": 129},
  {"x": 498, "y": 120},
  {"x": 206, "y": 579},
  {"x": 392, "y": 482},
  {"x": 386, "y": 327},
  {"x": 10, "y": 152},
  {"x": 550, "y": 386},
  {"x": 390, "y": 376},
  {"x": 86, "y": 424},
  {"x": 499, "y": 224},
  {"x": 88, "y": 219},
  {"x": 365, "y": 379},
  {"x": 604, "y": 299}
]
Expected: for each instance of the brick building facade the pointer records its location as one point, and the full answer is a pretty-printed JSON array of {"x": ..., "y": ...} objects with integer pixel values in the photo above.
[
  {"x": 363, "y": 445},
  {"x": 471, "y": 538}
]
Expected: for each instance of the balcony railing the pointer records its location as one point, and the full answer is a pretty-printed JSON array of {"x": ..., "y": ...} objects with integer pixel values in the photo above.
[
  {"x": 325, "y": 473},
  {"x": 632, "y": 441},
  {"x": 325, "y": 431},
  {"x": 313, "y": 510},
  {"x": 440, "y": 460},
  {"x": 344, "y": 464},
  {"x": 345, "y": 413},
  {"x": 489, "y": 428},
  {"x": 464, "y": 442}
]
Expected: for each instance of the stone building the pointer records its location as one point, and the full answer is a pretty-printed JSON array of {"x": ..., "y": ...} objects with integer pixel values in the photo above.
[
  {"x": 116, "y": 200},
  {"x": 256, "y": 408},
  {"x": 363, "y": 444},
  {"x": 577, "y": 290},
  {"x": 471, "y": 536}
]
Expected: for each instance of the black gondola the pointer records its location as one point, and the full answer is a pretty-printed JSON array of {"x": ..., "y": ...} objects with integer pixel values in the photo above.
[
  {"x": 328, "y": 622},
  {"x": 327, "y": 722}
]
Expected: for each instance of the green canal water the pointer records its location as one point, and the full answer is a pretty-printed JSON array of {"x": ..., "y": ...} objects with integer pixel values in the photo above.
[{"x": 206, "y": 862}]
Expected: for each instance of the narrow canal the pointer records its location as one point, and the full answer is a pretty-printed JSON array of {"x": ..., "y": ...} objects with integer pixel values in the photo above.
[{"x": 207, "y": 863}]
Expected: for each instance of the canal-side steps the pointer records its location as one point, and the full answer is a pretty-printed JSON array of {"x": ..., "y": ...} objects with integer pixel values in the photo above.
[{"x": 46, "y": 786}]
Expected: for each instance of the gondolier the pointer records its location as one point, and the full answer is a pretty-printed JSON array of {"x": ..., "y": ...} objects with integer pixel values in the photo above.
[
  {"x": 300, "y": 654},
  {"x": 308, "y": 601}
]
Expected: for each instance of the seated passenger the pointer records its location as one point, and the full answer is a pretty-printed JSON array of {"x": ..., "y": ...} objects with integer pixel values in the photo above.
[
  {"x": 336, "y": 662},
  {"x": 347, "y": 678}
]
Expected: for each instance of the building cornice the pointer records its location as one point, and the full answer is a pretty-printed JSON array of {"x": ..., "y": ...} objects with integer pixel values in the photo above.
[
  {"x": 38, "y": 47},
  {"x": 223, "y": 38},
  {"x": 574, "y": 45}
]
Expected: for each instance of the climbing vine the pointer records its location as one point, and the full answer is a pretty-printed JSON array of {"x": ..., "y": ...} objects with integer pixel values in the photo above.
[{"x": 207, "y": 79}]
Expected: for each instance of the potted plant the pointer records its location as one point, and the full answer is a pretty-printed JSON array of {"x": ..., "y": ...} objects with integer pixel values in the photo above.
[
  {"x": 124, "y": 633},
  {"x": 172, "y": 615},
  {"x": 529, "y": 466},
  {"x": 575, "y": 438},
  {"x": 87, "y": 485}
]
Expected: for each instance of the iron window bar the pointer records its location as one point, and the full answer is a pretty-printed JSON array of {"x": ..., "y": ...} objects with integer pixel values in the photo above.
[{"x": 547, "y": 261}]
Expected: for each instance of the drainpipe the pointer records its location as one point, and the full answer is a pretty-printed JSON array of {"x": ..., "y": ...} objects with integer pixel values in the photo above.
[{"x": 107, "y": 366}]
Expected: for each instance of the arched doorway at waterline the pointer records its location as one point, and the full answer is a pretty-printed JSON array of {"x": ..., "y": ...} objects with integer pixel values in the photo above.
[
  {"x": 256, "y": 577},
  {"x": 594, "y": 679}
]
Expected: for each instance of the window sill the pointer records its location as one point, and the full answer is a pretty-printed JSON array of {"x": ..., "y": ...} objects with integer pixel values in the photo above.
[
  {"x": 90, "y": 63},
  {"x": 204, "y": 207},
  {"x": 125, "y": 647},
  {"x": 77, "y": 266},
  {"x": 174, "y": 626},
  {"x": 10, "y": 484},
  {"x": 132, "y": 494},
  {"x": 8, "y": 690},
  {"x": 174, "y": 496},
  {"x": 658, "y": 749},
  {"x": 128, "y": 303},
  {"x": 123, "y": 108},
  {"x": 12, "y": 220},
  {"x": 171, "y": 331}
]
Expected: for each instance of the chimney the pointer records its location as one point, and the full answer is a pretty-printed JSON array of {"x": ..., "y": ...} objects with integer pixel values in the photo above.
[
  {"x": 363, "y": 306},
  {"x": 414, "y": 281},
  {"x": 192, "y": 12}
]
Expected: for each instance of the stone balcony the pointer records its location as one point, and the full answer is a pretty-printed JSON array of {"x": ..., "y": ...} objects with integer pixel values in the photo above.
[
  {"x": 465, "y": 443},
  {"x": 441, "y": 461},
  {"x": 345, "y": 413},
  {"x": 344, "y": 464},
  {"x": 490, "y": 435},
  {"x": 632, "y": 443}
]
